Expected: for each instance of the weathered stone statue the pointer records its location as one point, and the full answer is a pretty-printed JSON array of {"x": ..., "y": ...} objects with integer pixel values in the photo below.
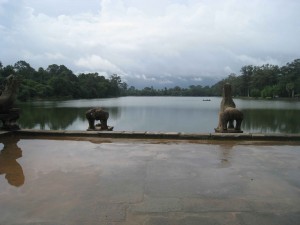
[
  {"x": 9, "y": 114},
  {"x": 229, "y": 113},
  {"x": 97, "y": 114}
]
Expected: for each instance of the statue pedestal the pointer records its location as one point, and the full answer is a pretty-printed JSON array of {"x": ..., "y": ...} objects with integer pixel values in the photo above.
[
  {"x": 9, "y": 119},
  {"x": 228, "y": 131},
  {"x": 98, "y": 128}
]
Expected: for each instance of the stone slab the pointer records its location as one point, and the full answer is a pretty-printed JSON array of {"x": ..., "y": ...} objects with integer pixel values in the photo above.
[
  {"x": 163, "y": 135},
  {"x": 148, "y": 182}
]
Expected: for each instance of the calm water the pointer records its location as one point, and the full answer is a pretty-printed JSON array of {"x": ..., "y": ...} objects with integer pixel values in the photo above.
[{"x": 180, "y": 114}]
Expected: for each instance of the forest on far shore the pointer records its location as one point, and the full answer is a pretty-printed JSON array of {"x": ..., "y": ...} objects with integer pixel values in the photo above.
[{"x": 57, "y": 81}]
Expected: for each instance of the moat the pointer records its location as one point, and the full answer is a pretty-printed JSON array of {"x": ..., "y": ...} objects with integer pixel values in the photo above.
[
  {"x": 165, "y": 114},
  {"x": 58, "y": 173}
]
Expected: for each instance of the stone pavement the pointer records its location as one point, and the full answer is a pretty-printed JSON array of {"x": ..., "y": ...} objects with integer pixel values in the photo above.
[{"x": 155, "y": 182}]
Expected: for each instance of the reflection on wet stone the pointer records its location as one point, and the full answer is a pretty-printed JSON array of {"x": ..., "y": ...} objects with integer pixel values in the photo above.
[
  {"x": 9, "y": 166},
  {"x": 225, "y": 155},
  {"x": 131, "y": 183}
]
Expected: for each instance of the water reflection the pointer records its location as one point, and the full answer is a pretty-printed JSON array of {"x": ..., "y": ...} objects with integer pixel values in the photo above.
[
  {"x": 226, "y": 154},
  {"x": 57, "y": 118},
  {"x": 8, "y": 162},
  {"x": 177, "y": 114},
  {"x": 270, "y": 120}
]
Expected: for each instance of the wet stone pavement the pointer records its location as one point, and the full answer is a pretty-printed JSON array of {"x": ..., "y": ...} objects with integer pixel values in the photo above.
[{"x": 55, "y": 182}]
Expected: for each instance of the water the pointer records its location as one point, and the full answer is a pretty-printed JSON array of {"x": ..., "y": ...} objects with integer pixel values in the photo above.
[{"x": 165, "y": 114}]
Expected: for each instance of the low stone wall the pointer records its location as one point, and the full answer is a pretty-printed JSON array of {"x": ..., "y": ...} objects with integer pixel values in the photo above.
[{"x": 158, "y": 135}]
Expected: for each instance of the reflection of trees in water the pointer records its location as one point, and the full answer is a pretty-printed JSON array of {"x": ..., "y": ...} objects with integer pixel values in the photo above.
[
  {"x": 264, "y": 120},
  {"x": 8, "y": 162},
  {"x": 56, "y": 118}
]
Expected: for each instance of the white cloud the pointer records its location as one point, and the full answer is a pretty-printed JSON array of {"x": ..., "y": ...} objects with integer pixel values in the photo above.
[
  {"x": 152, "y": 39},
  {"x": 97, "y": 63},
  {"x": 55, "y": 56},
  {"x": 228, "y": 70},
  {"x": 248, "y": 60},
  {"x": 198, "y": 79}
]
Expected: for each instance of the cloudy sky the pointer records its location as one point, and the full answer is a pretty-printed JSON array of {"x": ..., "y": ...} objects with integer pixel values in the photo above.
[{"x": 151, "y": 42}]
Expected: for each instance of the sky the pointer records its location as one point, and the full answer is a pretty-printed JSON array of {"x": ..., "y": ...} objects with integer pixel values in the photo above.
[{"x": 151, "y": 42}]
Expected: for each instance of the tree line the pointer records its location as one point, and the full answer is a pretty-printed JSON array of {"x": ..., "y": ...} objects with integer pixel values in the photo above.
[
  {"x": 57, "y": 81},
  {"x": 267, "y": 81}
]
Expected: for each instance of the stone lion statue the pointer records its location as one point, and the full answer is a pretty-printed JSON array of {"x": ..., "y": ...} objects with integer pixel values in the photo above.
[
  {"x": 228, "y": 117},
  {"x": 9, "y": 114},
  {"x": 229, "y": 113},
  {"x": 9, "y": 94},
  {"x": 97, "y": 114}
]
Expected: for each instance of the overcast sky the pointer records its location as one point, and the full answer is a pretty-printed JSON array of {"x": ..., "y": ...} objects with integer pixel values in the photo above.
[{"x": 150, "y": 42}]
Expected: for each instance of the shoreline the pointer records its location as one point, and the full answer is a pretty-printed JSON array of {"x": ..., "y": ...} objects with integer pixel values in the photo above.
[{"x": 156, "y": 135}]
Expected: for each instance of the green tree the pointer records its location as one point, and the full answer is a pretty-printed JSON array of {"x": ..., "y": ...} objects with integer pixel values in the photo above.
[
  {"x": 27, "y": 90},
  {"x": 247, "y": 72},
  {"x": 265, "y": 75},
  {"x": 290, "y": 88},
  {"x": 60, "y": 87},
  {"x": 148, "y": 91},
  {"x": 289, "y": 78},
  {"x": 93, "y": 86},
  {"x": 267, "y": 92},
  {"x": 115, "y": 84},
  {"x": 255, "y": 93},
  {"x": 24, "y": 70},
  {"x": 123, "y": 88},
  {"x": 1, "y": 68},
  {"x": 7, "y": 70}
]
